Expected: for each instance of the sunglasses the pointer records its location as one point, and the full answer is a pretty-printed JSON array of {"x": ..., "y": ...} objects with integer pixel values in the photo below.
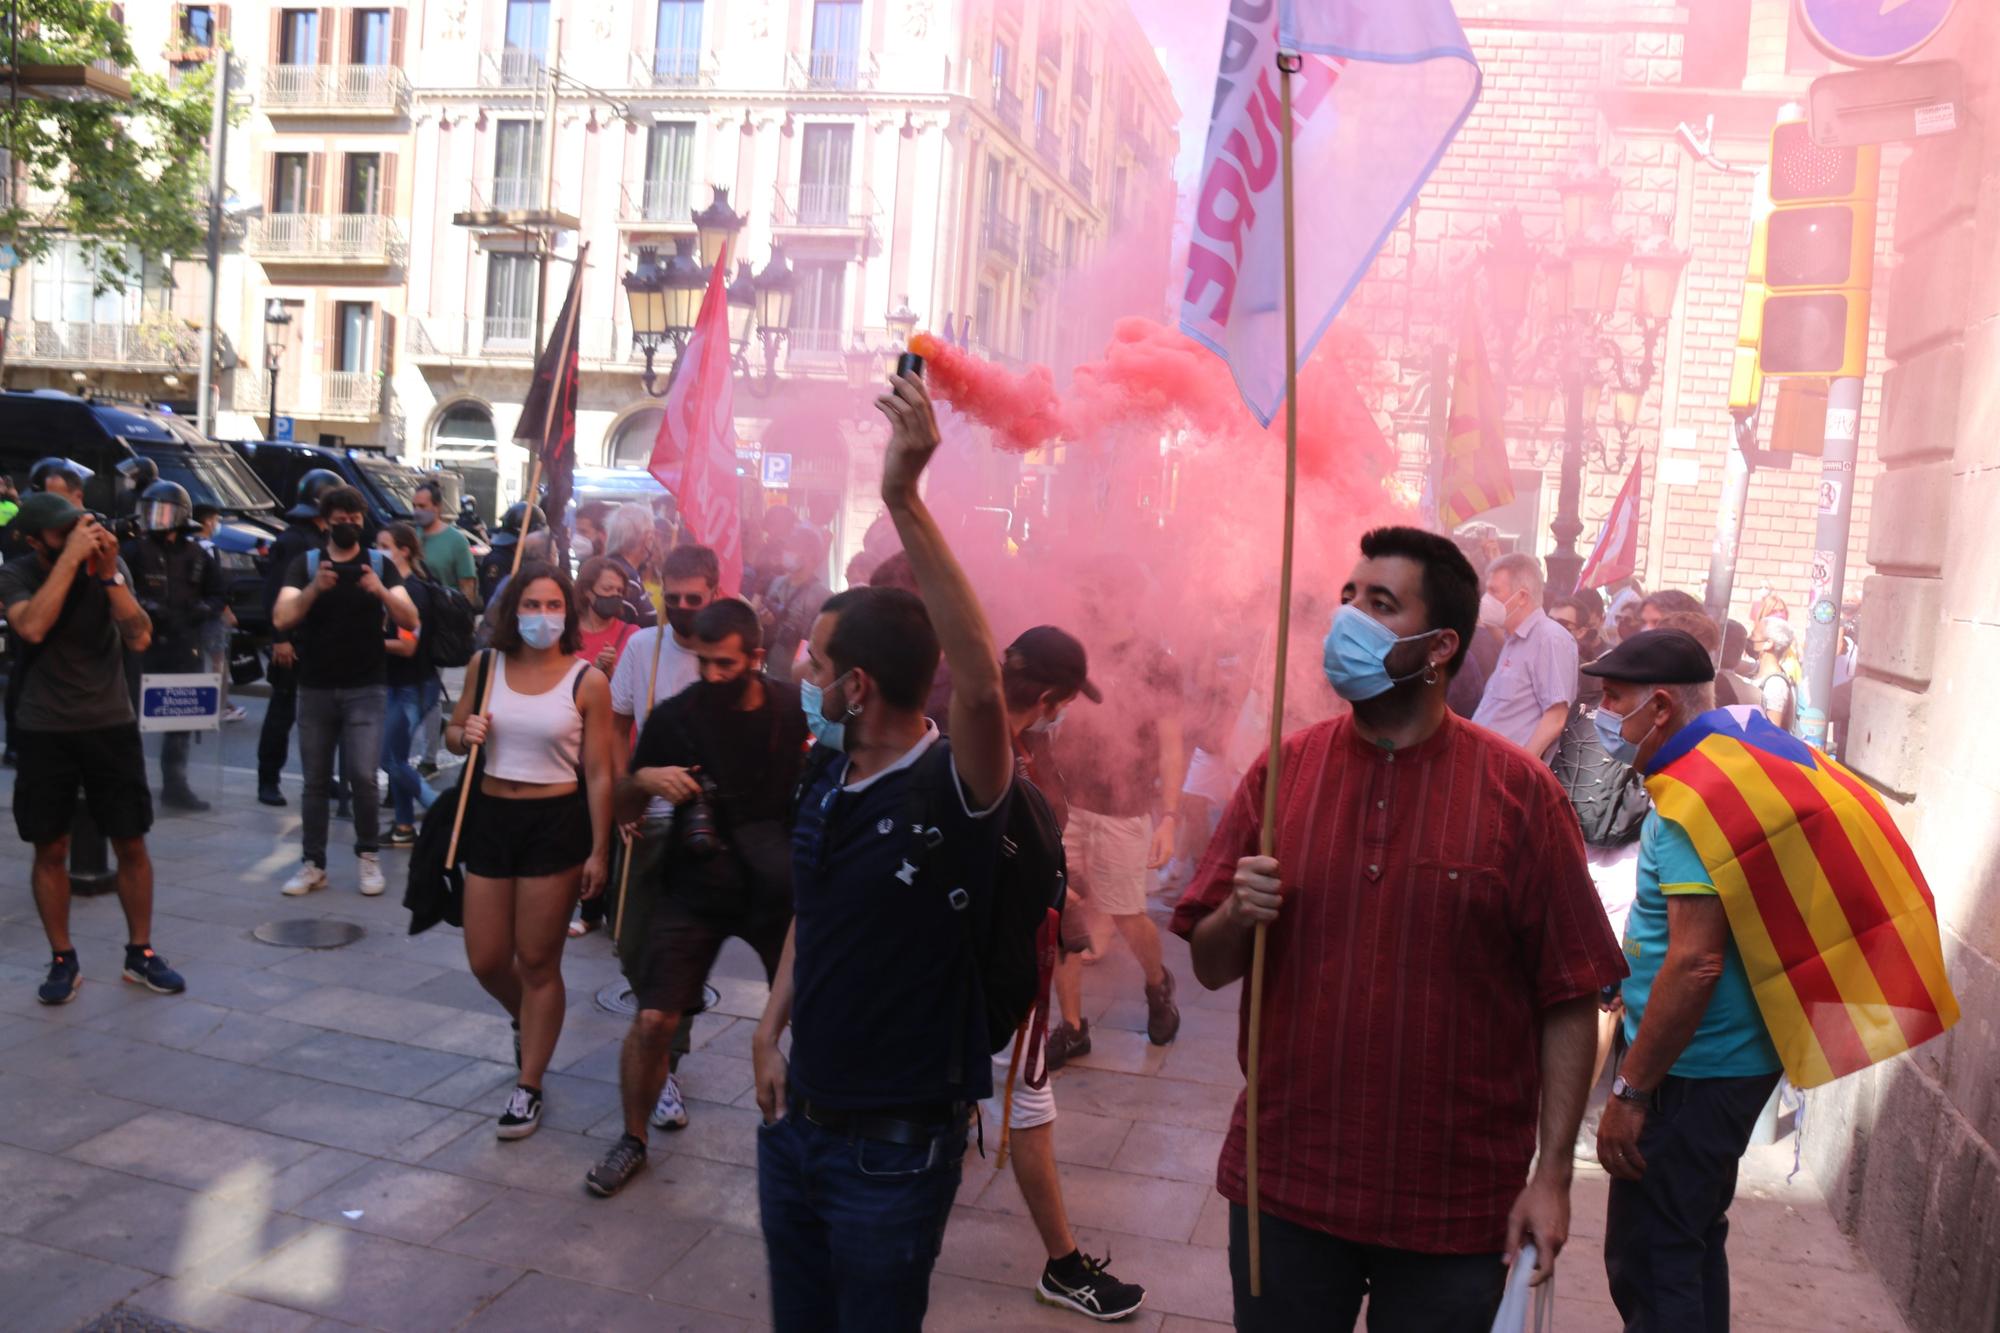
[
  {"x": 692, "y": 600},
  {"x": 1569, "y": 625}
]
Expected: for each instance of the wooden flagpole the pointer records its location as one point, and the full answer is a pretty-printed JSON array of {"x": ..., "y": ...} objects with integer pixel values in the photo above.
[
  {"x": 1288, "y": 64},
  {"x": 652, "y": 685}
]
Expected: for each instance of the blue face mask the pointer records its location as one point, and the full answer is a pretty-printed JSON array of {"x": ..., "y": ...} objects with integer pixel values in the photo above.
[
  {"x": 1356, "y": 652},
  {"x": 1611, "y": 731},
  {"x": 833, "y": 735},
  {"x": 541, "y": 631}
]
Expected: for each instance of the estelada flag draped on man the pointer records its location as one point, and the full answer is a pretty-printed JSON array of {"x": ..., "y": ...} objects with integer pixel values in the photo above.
[
  {"x": 1381, "y": 90},
  {"x": 694, "y": 455},
  {"x": 1476, "y": 476},
  {"x": 548, "y": 414},
  {"x": 1829, "y": 911}
]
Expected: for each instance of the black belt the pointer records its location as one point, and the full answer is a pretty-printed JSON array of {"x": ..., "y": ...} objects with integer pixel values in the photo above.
[{"x": 908, "y": 1126}]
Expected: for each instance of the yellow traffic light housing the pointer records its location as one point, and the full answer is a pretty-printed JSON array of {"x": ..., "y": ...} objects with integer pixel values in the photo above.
[
  {"x": 1798, "y": 426},
  {"x": 1816, "y": 252}
]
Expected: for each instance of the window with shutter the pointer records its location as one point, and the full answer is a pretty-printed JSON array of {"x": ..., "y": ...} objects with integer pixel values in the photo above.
[
  {"x": 371, "y": 37},
  {"x": 290, "y": 173}
]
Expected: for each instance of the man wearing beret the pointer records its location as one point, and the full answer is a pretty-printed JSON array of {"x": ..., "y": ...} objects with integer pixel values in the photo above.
[{"x": 1701, "y": 1064}]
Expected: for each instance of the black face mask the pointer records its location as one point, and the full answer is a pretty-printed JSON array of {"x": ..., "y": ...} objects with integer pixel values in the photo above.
[
  {"x": 611, "y": 608},
  {"x": 681, "y": 618},
  {"x": 726, "y": 693},
  {"x": 344, "y": 536}
]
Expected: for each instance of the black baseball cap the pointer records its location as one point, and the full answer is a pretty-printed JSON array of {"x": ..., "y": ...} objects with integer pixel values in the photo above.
[
  {"x": 1054, "y": 658},
  {"x": 44, "y": 510},
  {"x": 1656, "y": 657}
]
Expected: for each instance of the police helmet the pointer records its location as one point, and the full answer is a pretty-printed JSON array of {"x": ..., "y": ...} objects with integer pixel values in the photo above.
[
  {"x": 517, "y": 514},
  {"x": 164, "y": 507},
  {"x": 312, "y": 486},
  {"x": 137, "y": 473},
  {"x": 39, "y": 474}
]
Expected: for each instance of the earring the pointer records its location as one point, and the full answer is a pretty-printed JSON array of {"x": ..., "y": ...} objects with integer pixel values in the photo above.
[{"x": 1430, "y": 673}]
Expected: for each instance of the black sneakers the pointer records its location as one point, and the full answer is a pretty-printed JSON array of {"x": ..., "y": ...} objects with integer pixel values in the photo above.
[
  {"x": 65, "y": 978},
  {"x": 523, "y": 1115},
  {"x": 1066, "y": 1043},
  {"x": 145, "y": 968},
  {"x": 624, "y": 1161},
  {"x": 1163, "y": 1016},
  {"x": 1083, "y": 1284}
]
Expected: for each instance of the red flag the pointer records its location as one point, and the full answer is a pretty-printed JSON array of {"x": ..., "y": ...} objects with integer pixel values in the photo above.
[
  {"x": 1476, "y": 475},
  {"x": 695, "y": 453},
  {"x": 548, "y": 414},
  {"x": 1616, "y": 554}
]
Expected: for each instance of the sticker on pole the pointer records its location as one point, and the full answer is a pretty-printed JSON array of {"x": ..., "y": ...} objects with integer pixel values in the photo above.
[
  {"x": 1842, "y": 423},
  {"x": 1829, "y": 496},
  {"x": 190, "y": 701},
  {"x": 1822, "y": 573}
]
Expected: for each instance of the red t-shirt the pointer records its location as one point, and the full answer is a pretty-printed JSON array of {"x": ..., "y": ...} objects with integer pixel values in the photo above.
[
  {"x": 1437, "y": 899},
  {"x": 614, "y": 634}
]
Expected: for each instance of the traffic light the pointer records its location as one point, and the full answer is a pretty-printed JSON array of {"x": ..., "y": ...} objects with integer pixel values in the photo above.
[
  {"x": 1798, "y": 426},
  {"x": 1817, "y": 256}
]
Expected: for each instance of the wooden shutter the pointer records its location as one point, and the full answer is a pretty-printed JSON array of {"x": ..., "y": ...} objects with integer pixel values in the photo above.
[
  {"x": 221, "y": 13},
  {"x": 386, "y": 358},
  {"x": 327, "y": 354},
  {"x": 385, "y": 198},
  {"x": 398, "y": 20},
  {"x": 315, "y": 183},
  {"x": 277, "y": 37},
  {"x": 326, "y": 22},
  {"x": 270, "y": 182},
  {"x": 175, "y": 34}
]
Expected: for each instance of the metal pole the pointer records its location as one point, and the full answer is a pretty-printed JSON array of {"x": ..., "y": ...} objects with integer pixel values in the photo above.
[
  {"x": 1440, "y": 426},
  {"x": 544, "y": 241},
  {"x": 1564, "y": 564},
  {"x": 1729, "y": 520},
  {"x": 1829, "y": 561},
  {"x": 271, "y": 403},
  {"x": 218, "y": 145}
]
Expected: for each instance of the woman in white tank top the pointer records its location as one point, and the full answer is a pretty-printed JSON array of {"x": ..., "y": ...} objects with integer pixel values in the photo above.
[{"x": 538, "y": 827}]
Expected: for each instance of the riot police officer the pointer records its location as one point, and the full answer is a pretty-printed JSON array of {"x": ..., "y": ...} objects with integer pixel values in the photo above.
[
  {"x": 180, "y": 587},
  {"x": 520, "y": 520},
  {"x": 304, "y": 531}
]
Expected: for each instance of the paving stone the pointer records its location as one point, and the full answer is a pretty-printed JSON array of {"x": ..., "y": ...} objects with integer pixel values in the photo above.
[
  {"x": 252, "y": 1038},
  {"x": 373, "y": 1281},
  {"x": 181, "y": 1024},
  {"x": 341, "y": 967},
  {"x": 1164, "y": 1101},
  {"x": 1211, "y": 1227},
  {"x": 726, "y": 1272},
  {"x": 715, "y": 1078},
  {"x": 475, "y": 1084},
  {"x": 960, "y": 1305},
  {"x": 364, "y": 1062},
  {"x": 207, "y": 1308},
  {"x": 198, "y": 1085},
  {"x": 1172, "y": 1152},
  {"x": 1203, "y": 1060},
  {"x": 717, "y": 1133},
  {"x": 402, "y": 1202},
  {"x": 1113, "y": 1200},
  {"x": 36, "y": 1187},
  {"x": 192, "y": 1152},
  {"x": 577, "y": 1237},
  {"x": 53, "y": 1289},
  {"x": 459, "y": 989},
  {"x": 352, "y": 1118},
  {"x": 50, "y": 1117},
  {"x": 168, "y": 1230},
  {"x": 549, "y": 1162},
  {"x": 539, "y": 1301},
  {"x": 249, "y": 989}
]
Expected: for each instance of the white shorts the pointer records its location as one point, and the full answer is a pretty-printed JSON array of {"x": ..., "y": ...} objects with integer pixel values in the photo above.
[
  {"x": 1107, "y": 857},
  {"x": 1208, "y": 777},
  {"x": 1615, "y": 872},
  {"x": 1032, "y": 1106}
]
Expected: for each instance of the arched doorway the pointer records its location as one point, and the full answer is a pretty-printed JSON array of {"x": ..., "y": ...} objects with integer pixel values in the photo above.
[
  {"x": 462, "y": 439},
  {"x": 632, "y": 438}
]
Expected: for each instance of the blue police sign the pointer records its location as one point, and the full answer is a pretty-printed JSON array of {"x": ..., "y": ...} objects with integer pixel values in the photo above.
[
  {"x": 181, "y": 701},
  {"x": 1872, "y": 32},
  {"x": 777, "y": 471},
  {"x": 284, "y": 431}
]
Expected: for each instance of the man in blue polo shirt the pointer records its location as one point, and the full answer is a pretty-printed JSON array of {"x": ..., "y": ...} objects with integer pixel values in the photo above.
[
  {"x": 1701, "y": 1064},
  {"x": 897, "y": 833}
]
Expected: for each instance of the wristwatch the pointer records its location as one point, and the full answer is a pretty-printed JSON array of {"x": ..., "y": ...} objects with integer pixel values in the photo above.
[
  {"x": 115, "y": 581},
  {"x": 1625, "y": 1092}
]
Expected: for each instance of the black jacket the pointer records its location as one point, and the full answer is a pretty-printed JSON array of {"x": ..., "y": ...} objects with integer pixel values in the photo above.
[{"x": 180, "y": 587}]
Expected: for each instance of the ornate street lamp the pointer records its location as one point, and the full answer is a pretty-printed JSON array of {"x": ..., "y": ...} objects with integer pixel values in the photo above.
[
  {"x": 664, "y": 300},
  {"x": 775, "y": 291},
  {"x": 859, "y": 361},
  {"x": 741, "y": 296},
  {"x": 276, "y": 319},
  {"x": 716, "y": 225},
  {"x": 902, "y": 323}
]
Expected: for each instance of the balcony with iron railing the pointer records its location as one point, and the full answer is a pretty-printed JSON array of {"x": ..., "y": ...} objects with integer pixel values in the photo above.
[
  {"x": 151, "y": 344},
  {"x": 335, "y": 395},
  {"x": 508, "y": 193},
  {"x": 814, "y": 346},
  {"x": 832, "y": 70},
  {"x": 1049, "y": 44},
  {"x": 1082, "y": 84},
  {"x": 1080, "y": 176},
  {"x": 1007, "y": 106},
  {"x": 668, "y": 67},
  {"x": 824, "y": 205},
  {"x": 1003, "y": 236},
  {"x": 1042, "y": 261},
  {"x": 325, "y": 238},
  {"x": 1048, "y": 143},
  {"x": 345, "y": 89},
  {"x": 657, "y": 201},
  {"x": 514, "y": 67},
  {"x": 351, "y": 395},
  {"x": 511, "y": 333}
]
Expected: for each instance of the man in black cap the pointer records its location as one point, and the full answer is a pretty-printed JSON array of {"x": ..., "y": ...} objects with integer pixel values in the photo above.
[
  {"x": 304, "y": 531},
  {"x": 1700, "y": 1064},
  {"x": 70, "y": 600}
]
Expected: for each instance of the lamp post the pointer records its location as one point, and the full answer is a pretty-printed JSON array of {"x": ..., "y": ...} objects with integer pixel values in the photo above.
[
  {"x": 1570, "y": 339},
  {"x": 665, "y": 298},
  {"x": 902, "y": 323},
  {"x": 276, "y": 318},
  {"x": 774, "y": 309}
]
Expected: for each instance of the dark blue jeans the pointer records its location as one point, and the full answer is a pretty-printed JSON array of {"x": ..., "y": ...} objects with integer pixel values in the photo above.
[
  {"x": 852, "y": 1226},
  {"x": 1314, "y": 1280},
  {"x": 1664, "y": 1233},
  {"x": 406, "y": 706}
]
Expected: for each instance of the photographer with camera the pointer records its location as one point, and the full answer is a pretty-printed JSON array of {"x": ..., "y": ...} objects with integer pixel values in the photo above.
[
  {"x": 70, "y": 601},
  {"x": 332, "y": 606},
  {"x": 304, "y": 531},
  {"x": 727, "y": 753},
  {"x": 180, "y": 586},
  {"x": 56, "y": 476}
]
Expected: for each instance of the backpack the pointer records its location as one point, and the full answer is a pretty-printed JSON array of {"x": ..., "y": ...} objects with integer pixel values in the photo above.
[
  {"x": 1609, "y": 797},
  {"x": 1000, "y": 929},
  {"x": 450, "y": 627}
]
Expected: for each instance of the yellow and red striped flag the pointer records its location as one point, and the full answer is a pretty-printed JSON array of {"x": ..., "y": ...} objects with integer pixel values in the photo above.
[
  {"x": 1828, "y": 908},
  {"x": 1475, "y": 476}
]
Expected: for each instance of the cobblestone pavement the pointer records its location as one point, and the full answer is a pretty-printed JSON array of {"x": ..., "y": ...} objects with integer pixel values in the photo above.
[{"x": 304, "y": 1140}]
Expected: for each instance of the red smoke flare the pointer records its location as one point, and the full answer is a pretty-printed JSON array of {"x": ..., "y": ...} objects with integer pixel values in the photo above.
[{"x": 1021, "y": 410}]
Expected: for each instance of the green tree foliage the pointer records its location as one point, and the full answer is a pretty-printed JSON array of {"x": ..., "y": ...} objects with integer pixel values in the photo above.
[{"x": 126, "y": 178}]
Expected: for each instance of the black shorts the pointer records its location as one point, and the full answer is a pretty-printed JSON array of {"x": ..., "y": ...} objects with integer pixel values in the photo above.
[
  {"x": 107, "y": 765},
  {"x": 681, "y": 949},
  {"x": 517, "y": 838}
]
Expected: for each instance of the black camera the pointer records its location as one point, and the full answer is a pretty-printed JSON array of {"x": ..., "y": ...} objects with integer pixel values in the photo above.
[{"x": 700, "y": 836}]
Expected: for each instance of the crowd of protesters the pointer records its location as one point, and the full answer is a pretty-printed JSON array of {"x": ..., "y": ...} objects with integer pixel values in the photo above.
[{"x": 866, "y": 790}]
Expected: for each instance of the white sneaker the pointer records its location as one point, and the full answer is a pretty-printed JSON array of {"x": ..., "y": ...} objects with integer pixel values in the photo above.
[
  {"x": 308, "y": 878},
  {"x": 372, "y": 883},
  {"x": 672, "y": 1112}
]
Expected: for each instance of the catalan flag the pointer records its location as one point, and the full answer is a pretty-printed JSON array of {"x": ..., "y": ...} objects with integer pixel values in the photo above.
[
  {"x": 1828, "y": 908},
  {"x": 1476, "y": 477}
]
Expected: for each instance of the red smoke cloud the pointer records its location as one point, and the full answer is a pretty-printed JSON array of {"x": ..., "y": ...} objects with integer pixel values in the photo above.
[{"x": 1020, "y": 409}]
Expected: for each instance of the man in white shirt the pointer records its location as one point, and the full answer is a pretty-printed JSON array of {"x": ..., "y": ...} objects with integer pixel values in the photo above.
[
  {"x": 687, "y": 584},
  {"x": 1529, "y": 694}
]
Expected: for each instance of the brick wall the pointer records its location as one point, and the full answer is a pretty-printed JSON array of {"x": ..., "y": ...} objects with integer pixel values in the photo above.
[{"x": 1540, "y": 110}]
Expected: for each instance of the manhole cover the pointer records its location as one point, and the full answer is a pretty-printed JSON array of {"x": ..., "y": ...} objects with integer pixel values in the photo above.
[
  {"x": 617, "y": 998},
  {"x": 124, "y": 1319},
  {"x": 308, "y": 932}
]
